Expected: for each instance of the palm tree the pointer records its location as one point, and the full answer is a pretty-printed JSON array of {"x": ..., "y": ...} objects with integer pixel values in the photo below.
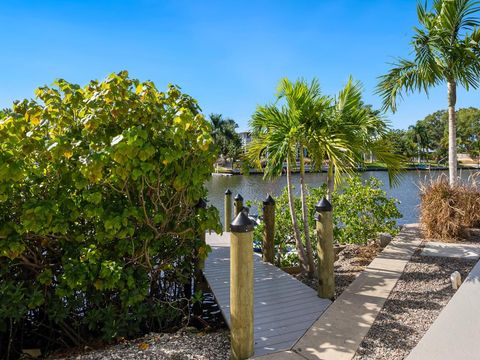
[
  {"x": 276, "y": 132},
  {"x": 225, "y": 136},
  {"x": 279, "y": 132},
  {"x": 446, "y": 50},
  {"x": 347, "y": 130},
  {"x": 337, "y": 130},
  {"x": 303, "y": 102}
]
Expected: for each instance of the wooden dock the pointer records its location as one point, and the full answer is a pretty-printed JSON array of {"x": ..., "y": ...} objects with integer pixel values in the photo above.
[{"x": 284, "y": 308}]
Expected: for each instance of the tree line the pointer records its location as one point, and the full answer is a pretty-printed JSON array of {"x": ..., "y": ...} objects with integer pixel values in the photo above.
[
  {"x": 427, "y": 139},
  {"x": 424, "y": 142}
]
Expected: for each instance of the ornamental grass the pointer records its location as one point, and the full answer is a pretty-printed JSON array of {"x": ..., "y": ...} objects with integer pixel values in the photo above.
[{"x": 449, "y": 212}]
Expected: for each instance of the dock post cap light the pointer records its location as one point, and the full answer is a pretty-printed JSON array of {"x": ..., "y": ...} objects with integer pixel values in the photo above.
[
  {"x": 241, "y": 223},
  {"x": 269, "y": 200},
  {"x": 323, "y": 205}
]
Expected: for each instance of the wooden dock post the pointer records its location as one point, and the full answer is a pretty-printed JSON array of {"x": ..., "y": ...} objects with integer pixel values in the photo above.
[
  {"x": 325, "y": 252},
  {"x": 238, "y": 205},
  {"x": 228, "y": 210},
  {"x": 241, "y": 287},
  {"x": 268, "y": 245}
]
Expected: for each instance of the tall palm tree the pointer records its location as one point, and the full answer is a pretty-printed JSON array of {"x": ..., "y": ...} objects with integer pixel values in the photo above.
[{"x": 446, "y": 50}]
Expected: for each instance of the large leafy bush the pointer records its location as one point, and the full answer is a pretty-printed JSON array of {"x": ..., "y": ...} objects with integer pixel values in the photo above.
[
  {"x": 361, "y": 210},
  {"x": 98, "y": 223}
]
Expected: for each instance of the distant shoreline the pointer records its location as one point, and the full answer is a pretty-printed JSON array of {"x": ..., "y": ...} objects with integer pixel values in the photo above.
[{"x": 226, "y": 172}]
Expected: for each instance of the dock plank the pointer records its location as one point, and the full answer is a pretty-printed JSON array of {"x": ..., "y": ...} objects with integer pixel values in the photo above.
[{"x": 284, "y": 308}]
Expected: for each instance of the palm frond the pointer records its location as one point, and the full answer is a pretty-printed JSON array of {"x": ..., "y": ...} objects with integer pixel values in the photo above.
[
  {"x": 275, "y": 131},
  {"x": 440, "y": 53},
  {"x": 403, "y": 78},
  {"x": 384, "y": 152}
]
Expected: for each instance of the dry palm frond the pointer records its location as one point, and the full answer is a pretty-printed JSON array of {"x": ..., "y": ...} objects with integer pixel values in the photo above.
[{"x": 447, "y": 212}]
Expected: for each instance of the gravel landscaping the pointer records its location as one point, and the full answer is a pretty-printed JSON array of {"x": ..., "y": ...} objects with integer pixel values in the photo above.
[
  {"x": 351, "y": 261},
  {"x": 182, "y": 345},
  {"x": 213, "y": 342},
  {"x": 419, "y": 296}
]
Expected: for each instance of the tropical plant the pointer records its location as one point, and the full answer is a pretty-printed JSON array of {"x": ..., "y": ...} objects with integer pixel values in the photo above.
[
  {"x": 344, "y": 131},
  {"x": 362, "y": 210},
  {"x": 280, "y": 132},
  {"x": 428, "y": 136},
  {"x": 338, "y": 130},
  {"x": 446, "y": 50},
  {"x": 305, "y": 103},
  {"x": 225, "y": 136},
  {"x": 99, "y": 229},
  {"x": 275, "y": 138}
]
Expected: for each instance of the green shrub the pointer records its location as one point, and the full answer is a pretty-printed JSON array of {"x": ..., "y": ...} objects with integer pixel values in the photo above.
[
  {"x": 98, "y": 224},
  {"x": 361, "y": 210}
]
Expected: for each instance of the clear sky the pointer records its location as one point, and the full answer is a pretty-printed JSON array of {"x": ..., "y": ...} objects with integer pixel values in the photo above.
[{"x": 229, "y": 55}]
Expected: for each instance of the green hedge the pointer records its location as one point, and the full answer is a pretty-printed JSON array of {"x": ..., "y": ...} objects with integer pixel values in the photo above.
[{"x": 98, "y": 224}]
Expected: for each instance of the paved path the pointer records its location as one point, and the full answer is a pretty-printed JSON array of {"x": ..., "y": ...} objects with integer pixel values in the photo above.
[
  {"x": 284, "y": 308},
  {"x": 341, "y": 328},
  {"x": 455, "y": 333},
  {"x": 454, "y": 250}
]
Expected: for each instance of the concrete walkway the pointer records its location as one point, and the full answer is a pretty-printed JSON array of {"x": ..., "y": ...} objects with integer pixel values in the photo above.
[
  {"x": 456, "y": 332},
  {"x": 339, "y": 331},
  {"x": 452, "y": 250}
]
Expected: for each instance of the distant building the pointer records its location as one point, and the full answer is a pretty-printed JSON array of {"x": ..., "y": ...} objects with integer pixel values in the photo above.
[
  {"x": 467, "y": 159},
  {"x": 246, "y": 137},
  {"x": 464, "y": 157}
]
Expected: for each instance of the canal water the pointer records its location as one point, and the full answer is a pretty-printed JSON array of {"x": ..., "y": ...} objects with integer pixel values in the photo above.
[{"x": 254, "y": 188}]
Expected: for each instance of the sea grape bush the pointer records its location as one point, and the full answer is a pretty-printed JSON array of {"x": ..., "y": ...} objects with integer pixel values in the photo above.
[
  {"x": 98, "y": 223},
  {"x": 361, "y": 210}
]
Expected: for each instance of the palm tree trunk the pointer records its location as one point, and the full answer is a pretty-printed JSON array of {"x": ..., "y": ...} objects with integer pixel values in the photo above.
[
  {"x": 296, "y": 230},
  {"x": 330, "y": 181},
  {"x": 452, "y": 132},
  {"x": 306, "y": 228}
]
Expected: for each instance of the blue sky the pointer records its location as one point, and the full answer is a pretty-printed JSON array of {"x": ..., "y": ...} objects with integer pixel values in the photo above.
[{"x": 229, "y": 55}]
